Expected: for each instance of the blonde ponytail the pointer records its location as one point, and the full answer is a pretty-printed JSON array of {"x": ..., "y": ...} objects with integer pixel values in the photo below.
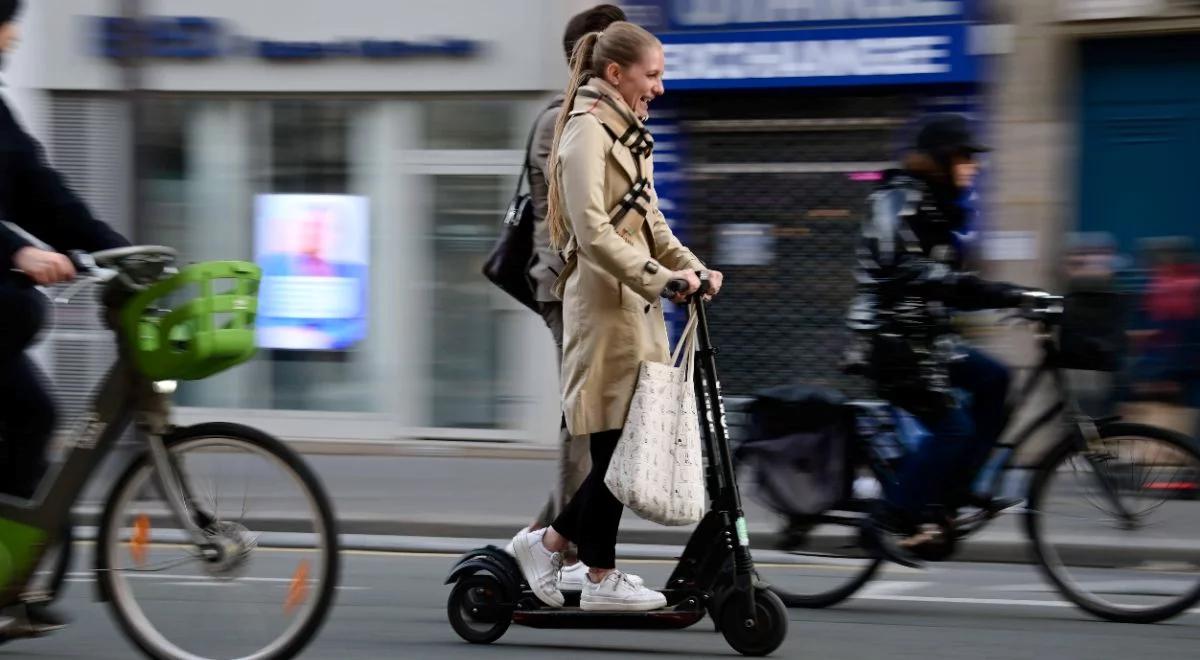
[
  {"x": 622, "y": 43},
  {"x": 581, "y": 68}
]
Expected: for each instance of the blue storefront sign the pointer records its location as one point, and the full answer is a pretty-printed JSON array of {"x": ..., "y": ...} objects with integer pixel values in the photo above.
[
  {"x": 724, "y": 44},
  {"x": 800, "y": 58},
  {"x": 198, "y": 38}
]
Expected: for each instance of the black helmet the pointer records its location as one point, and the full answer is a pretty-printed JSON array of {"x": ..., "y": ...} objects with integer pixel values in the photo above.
[{"x": 947, "y": 135}]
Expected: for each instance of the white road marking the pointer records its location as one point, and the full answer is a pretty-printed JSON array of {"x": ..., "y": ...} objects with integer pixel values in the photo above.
[
  {"x": 1157, "y": 587},
  {"x": 982, "y": 601},
  {"x": 890, "y": 588}
]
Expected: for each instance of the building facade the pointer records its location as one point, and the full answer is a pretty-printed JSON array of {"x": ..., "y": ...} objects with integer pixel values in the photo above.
[{"x": 416, "y": 111}]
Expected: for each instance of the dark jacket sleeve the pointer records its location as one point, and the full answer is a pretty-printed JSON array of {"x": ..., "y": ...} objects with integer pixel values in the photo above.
[
  {"x": 548, "y": 264},
  {"x": 888, "y": 258},
  {"x": 38, "y": 200},
  {"x": 10, "y": 242}
]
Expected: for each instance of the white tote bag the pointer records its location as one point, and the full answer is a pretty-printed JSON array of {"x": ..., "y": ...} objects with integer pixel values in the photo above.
[{"x": 657, "y": 469}]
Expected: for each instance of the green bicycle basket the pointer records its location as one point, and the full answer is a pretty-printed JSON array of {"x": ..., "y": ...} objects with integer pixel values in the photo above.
[{"x": 201, "y": 336}]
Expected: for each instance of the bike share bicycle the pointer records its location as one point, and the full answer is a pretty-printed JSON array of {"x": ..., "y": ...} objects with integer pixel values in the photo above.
[
  {"x": 715, "y": 575},
  {"x": 166, "y": 526},
  {"x": 1096, "y": 502}
]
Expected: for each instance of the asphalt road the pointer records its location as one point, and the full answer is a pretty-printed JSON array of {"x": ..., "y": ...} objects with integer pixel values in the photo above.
[
  {"x": 393, "y": 606},
  {"x": 492, "y": 498}
]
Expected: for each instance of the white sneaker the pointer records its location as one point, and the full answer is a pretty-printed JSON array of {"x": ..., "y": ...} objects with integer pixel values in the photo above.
[
  {"x": 575, "y": 576},
  {"x": 617, "y": 593},
  {"x": 509, "y": 548},
  {"x": 539, "y": 566}
]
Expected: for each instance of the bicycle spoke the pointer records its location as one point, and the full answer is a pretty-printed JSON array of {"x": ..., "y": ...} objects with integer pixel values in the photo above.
[{"x": 1149, "y": 567}]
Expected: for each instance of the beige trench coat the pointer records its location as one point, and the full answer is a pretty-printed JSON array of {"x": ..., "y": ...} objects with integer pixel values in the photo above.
[{"x": 612, "y": 310}]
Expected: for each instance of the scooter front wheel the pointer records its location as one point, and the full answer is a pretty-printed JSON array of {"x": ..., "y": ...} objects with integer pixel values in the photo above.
[
  {"x": 758, "y": 634},
  {"x": 475, "y": 609}
]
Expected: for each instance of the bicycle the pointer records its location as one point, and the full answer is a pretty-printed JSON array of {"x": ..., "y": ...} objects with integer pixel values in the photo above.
[
  {"x": 166, "y": 512},
  {"x": 1107, "y": 471}
]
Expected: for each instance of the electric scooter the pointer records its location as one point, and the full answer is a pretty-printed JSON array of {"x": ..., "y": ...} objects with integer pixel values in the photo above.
[{"x": 715, "y": 575}]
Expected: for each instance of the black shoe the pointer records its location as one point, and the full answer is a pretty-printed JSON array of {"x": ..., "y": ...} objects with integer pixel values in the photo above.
[
  {"x": 879, "y": 537},
  {"x": 31, "y": 620},
  {"x": 794, "y": 534},
  {"x": 19, "y": 491},
  {"x": 46, "y": 617}
]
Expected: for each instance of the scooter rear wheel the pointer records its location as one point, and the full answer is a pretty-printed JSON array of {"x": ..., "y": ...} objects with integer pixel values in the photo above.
[
  {"x": 473, "y": 609},
  {"x": 761, "y": 634}
]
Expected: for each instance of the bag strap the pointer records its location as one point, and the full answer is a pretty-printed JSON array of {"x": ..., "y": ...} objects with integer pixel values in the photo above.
[
  {"x": 524, "y": 177},
  {"x": 689, "y": 357},
  {"x": 687, "y": 339}
]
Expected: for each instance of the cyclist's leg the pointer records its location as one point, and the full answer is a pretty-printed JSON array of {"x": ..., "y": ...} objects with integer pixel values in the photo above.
[
  {"x": 28, "y": 418},
  {"x": 924, "y": 474},
  {"x": 920, "y": 479},
  {"x": 26, "y": 410},
  {"x": 987, "y": 382}
]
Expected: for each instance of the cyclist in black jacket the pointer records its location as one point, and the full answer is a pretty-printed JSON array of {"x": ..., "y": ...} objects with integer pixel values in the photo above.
[
  {"x": 911, "y": 280},
  {"x": 33, "y": 197}
]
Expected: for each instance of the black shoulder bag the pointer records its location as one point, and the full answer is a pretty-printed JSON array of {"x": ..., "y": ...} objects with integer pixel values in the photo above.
[{"x": 508, "y": 264}]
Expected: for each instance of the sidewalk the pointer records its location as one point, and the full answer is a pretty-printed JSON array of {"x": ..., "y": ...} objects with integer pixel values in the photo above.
[{"x": 428, "y": 497}]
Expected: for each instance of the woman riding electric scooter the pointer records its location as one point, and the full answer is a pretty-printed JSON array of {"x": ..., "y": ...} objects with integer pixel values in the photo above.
[
  {"x": 621, "y": 257},
  {"x": 620, "y": 254}
]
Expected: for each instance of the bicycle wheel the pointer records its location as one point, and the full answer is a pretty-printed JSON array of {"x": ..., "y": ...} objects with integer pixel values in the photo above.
[
  {"x": 264, "y": 592},
  {"x": 824, "y": 569},
  {"x": 1113, "y": 526}
]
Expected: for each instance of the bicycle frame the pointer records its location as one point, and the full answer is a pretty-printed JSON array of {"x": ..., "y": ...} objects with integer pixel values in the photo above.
[
  {"x": 29, "y": 527},
  {"x": 1064, "y": 407}
]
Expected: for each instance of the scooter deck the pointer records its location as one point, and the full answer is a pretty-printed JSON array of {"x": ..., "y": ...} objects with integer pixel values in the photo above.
[{"x": 569, "y": 617}]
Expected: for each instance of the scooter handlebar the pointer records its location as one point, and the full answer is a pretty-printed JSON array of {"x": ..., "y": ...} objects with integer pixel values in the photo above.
[
  {"x": 678, "y": 285},
  {"x": 674, "y": 288}
]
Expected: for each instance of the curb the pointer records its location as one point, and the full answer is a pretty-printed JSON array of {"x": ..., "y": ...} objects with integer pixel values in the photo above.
[
  {"x": 434, "y": 537},
  {"x": 424, "y": 449}
]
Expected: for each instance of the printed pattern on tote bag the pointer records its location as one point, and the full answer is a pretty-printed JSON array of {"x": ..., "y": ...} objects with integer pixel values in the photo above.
[{"x": 657, "y": 469}]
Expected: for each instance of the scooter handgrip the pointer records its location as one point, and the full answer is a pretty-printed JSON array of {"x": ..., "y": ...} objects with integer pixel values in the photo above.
[{"x": 675, "y": 287}]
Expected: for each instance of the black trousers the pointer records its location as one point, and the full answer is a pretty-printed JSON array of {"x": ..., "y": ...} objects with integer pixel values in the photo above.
[
  {"x": 27, "y": 415},
  {"x": 593, "y": 516}
]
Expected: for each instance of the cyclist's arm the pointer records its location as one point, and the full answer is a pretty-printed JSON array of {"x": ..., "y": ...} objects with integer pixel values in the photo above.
[
  {"x": 41, "y": 203},
  {"x": 886, "y": 260},
  {"x": 968, "y": 292}
]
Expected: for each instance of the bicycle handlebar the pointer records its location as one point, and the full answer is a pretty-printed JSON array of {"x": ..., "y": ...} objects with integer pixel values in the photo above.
[{"x": 1041, "y": 306}]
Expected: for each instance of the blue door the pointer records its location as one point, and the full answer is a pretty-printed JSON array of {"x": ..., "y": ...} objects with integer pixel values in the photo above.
[{"x": 1140, "y": 138}]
